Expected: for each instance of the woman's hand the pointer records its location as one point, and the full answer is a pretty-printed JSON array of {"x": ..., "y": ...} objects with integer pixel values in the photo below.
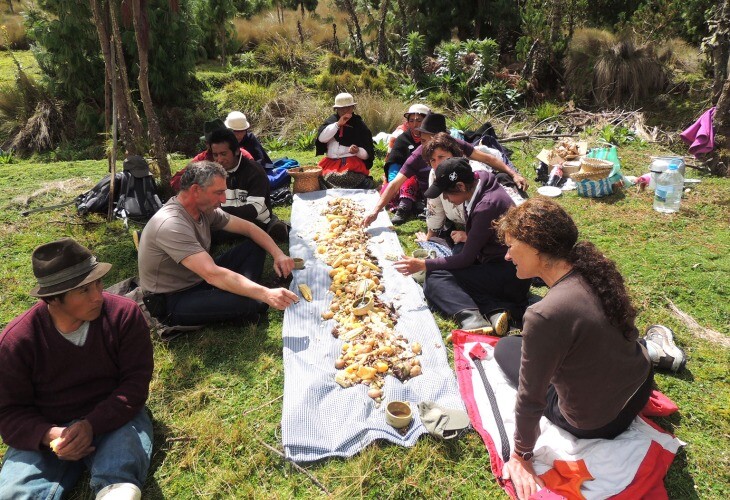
[
  {"x": 421, "y": 236},
  {"x": 354, "y": 149},
  {"x": 458, "y": 236},
  {"x": 369, "y": 218},
  {"x": 523, "y": 476},
  {"x": 410, "y": 265},
  {"x": 520, "y": 181},
  {"x": 344, "y": 119}
]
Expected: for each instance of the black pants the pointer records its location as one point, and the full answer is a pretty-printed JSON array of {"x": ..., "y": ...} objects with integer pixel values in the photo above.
[
  {"x": 487, "y": 286},
  {"x": 204, "y": 303},
  {"x": 508, "y": 354}
]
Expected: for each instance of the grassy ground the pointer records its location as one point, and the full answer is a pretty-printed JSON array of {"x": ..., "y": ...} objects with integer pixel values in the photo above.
[
  {"x": 8, "y": 68},
  {"x": 217, "y": 392}
]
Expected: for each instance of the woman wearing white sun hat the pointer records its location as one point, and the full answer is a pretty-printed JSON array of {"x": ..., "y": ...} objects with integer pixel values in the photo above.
[
  {"x": 238, "y": 122},
  {"x": 348, "y": 147}
]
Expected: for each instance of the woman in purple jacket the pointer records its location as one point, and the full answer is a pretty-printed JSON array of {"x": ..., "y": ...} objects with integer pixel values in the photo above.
[{"x": 478, "y": 279}]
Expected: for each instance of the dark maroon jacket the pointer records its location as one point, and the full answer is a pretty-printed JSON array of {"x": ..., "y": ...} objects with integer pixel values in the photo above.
[{"x": 46, "y": 380}]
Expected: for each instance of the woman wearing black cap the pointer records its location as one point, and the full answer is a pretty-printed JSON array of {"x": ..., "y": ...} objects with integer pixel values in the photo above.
[{"x": 478, "y": 279}]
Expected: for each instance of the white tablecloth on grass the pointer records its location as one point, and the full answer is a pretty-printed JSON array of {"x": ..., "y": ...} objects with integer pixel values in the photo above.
[{"x": 320, "y": 419}]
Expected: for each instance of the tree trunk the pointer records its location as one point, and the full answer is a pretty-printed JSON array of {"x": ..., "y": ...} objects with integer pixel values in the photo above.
[
  {"x": 720, "y": 30},
  {"x": 382, "y": 46},
  {"x": 719, "y": 160},
  {"x": 403, "y": 16},
  {"x": 10, "y": 5},
  {"x": 126, "y": 128},
  {"x": 135, "y": 123},
  {"x": 359, "y": 46},
  {"x": 142, "y": 36}
]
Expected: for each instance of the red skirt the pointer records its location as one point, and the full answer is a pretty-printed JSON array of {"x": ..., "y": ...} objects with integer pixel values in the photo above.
[{"x": 340, "y": 165}]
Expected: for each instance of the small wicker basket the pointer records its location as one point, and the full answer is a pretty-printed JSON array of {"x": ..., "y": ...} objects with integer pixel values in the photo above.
[
  {"x": 595, "y": 165},
  {"x": 592, "y": 169},
  {"x": 306, "y": 179},
  {"x": 593, "y": 176}
]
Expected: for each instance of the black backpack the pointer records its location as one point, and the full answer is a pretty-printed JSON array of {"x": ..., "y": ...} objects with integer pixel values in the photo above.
[
  {"x": 138, "y": 198},
  {"x": 96, "y": 199},
  {"x": 135, "y": 192}
]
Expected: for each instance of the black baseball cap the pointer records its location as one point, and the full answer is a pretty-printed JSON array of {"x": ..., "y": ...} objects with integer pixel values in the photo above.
[{"x": 451, "y": 171}]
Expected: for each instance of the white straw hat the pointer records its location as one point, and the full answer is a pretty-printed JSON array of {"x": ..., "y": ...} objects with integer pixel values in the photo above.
[
  {"x": 237, "y": 121},
  {"x": 344, "y": 100},
  {"x": 419, "y": 109}
]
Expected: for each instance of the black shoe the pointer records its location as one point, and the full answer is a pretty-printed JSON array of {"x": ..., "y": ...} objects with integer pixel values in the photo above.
[
  {"x": 471, "y": 319},
  {"x": 399, "y": 217}
]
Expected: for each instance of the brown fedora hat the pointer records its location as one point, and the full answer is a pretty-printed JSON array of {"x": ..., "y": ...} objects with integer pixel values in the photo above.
[{"x": 63, "y": 265}]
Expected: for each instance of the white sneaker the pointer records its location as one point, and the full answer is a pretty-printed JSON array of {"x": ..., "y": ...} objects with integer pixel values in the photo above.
[
  {"x": 120, "y": 491},
  {"x": 663, "y": 352}
]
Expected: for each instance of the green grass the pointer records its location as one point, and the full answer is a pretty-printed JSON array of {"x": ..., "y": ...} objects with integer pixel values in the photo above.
[
  {"x": 216, "y": 392},
  {"x": 8, "y": 69}
]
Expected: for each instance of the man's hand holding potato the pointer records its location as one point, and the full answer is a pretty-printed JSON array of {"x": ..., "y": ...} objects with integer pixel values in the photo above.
[{"x": 72, "y": 442}]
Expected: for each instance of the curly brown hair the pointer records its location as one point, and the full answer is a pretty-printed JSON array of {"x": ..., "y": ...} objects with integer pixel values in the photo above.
[
  {"x": 443, "y": 141},
  {"x": 545, "y": 226}
]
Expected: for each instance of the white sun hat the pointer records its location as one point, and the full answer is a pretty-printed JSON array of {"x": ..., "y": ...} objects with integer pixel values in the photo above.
[
  {"x": 419, "y": 109},
  {"x": 344, "y": 100},
  {"x": 237, "y": 121}
]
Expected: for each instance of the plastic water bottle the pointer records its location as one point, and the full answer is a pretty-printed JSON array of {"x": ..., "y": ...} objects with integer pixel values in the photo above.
[{"x": 668, "y": 193}]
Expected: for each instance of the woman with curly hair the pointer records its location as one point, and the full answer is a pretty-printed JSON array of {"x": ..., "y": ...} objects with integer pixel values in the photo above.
[{"x": 578, "y": 361}]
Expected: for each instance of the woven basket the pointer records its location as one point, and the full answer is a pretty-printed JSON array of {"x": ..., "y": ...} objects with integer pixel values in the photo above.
[
  {"x": 590, "y": 176},
  {"x": 596, "y": 165},
  {"x": 306, "y": 179}
]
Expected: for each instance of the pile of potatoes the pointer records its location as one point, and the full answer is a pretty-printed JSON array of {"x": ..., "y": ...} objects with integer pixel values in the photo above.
[{"x": 372, "y": 349}]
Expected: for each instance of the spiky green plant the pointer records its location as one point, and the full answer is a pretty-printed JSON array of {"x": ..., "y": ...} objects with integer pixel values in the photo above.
[{"x": 627, "y": 73}]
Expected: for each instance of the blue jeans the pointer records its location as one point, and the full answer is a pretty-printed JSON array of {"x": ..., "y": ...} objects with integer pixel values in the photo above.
[{"x": 121, "y": 456}]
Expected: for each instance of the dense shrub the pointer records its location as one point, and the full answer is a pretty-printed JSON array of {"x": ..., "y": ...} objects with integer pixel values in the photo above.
[
  {"x": 250, "y": 98},
  {"x": 461, "y": 67},
  {"x": 347, "y": 82},
  {"x": 68, "y": 52},
  {"x": 317, "y": 29},
  {"x": 293, "y": 109},
  {"x": 183, "y": 126},
  {"x": 612, "y": 72},
  {"x": 380, "y": 113},
  {"x": 13, "y": 34},
  {"x": 287, "y": 55},
  {"x": 337, "y": 65}
]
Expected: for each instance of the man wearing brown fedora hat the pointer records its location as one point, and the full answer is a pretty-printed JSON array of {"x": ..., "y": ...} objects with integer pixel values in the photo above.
[
  {"x": 417, "y": 166},
  {"x": 76, "y": 373},
  {"x": 183, "y": 284}
]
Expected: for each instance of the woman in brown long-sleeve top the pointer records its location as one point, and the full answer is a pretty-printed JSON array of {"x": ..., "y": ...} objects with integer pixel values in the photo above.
[{"x": 578, "y": 362}]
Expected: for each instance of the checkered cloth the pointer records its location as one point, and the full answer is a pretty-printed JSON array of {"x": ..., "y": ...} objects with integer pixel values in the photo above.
[{"x": 321, "y": 419}]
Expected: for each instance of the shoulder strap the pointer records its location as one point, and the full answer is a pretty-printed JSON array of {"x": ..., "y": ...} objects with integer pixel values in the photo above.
[{"x": 120, "y": 210}]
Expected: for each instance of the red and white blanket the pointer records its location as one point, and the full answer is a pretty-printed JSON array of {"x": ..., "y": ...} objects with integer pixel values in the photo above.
[{"x": 631, "y": 466}]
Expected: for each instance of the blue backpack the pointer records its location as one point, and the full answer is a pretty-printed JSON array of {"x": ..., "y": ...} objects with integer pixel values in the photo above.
[{"x": 279, "y": 174}]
